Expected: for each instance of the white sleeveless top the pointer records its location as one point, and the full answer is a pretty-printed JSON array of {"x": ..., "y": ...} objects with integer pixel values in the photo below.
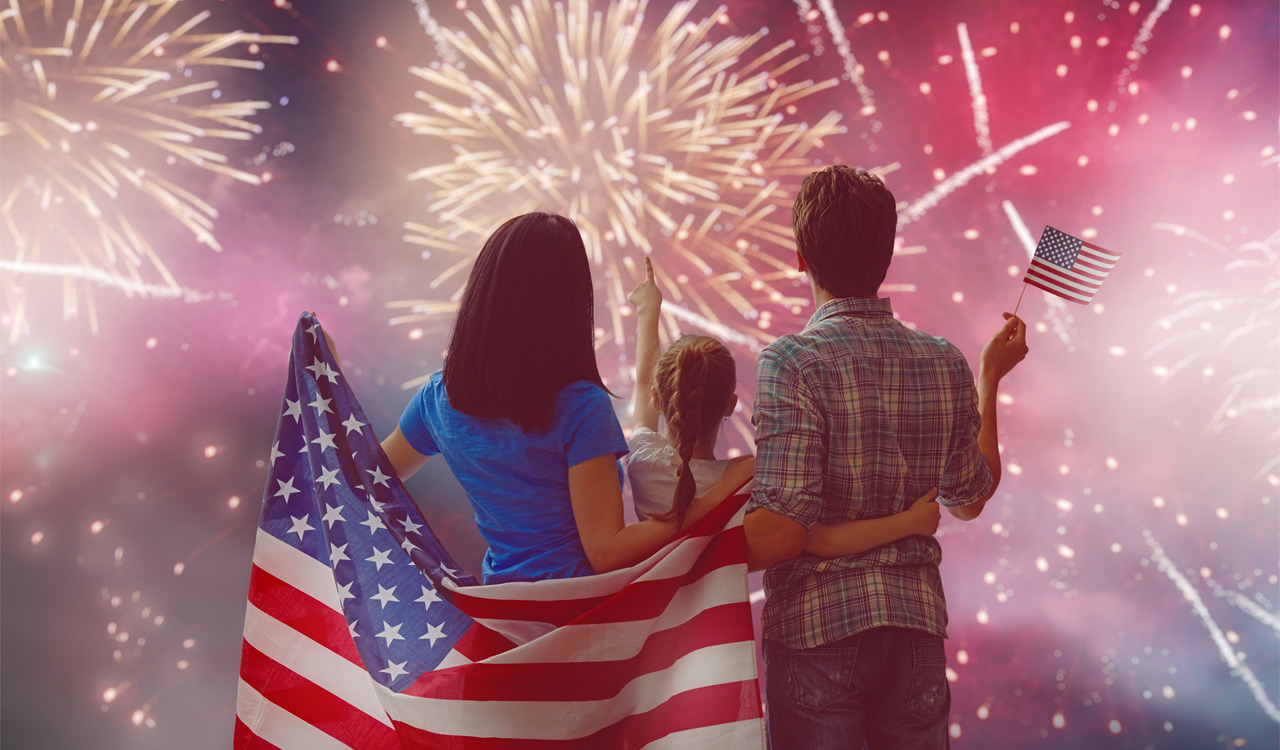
[{"x": 651, "y": 468}]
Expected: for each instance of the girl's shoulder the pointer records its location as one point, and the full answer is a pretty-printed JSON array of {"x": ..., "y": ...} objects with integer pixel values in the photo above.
[{"x": 649, "y": 447}]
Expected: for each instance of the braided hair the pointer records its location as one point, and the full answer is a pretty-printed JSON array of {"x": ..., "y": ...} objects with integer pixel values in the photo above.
[{"x": 693, "y": 383}]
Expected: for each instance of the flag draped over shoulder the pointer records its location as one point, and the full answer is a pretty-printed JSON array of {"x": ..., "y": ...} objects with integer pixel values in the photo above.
[
  {"x": 1068, "y": 266},
  {"x": 362, "y": 632}
]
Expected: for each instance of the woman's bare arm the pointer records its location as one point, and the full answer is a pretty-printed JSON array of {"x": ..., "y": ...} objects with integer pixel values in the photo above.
[
  {"x": 609, "y": 543},
  {"x": 405, "y": 459}
]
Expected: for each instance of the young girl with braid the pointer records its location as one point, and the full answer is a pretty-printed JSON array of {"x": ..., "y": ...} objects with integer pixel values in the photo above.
[{"x": 691, "y": 386}]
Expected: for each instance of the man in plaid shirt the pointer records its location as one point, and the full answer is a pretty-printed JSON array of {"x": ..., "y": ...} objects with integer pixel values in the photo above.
[{"x": 855, "y": 417}]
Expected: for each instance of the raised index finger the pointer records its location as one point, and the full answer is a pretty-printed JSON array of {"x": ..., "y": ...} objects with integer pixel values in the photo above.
[{"x": 648, "y": 268}]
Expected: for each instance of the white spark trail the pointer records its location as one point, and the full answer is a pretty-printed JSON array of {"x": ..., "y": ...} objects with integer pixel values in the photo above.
[
  {"x": 1228, "y": 653},
  {"x": 958, "y": 179},
  {"x": 1246, "y": 604},
  {"x": 803, "y": 9},
  {"x": 851, "y": 66},
  {"x": 128, "y": 286},
  {"x": 981, "y": 119},
  {"x": 721, "y": 330},
  {"x": 1182, "y": 231},
  {"x": 1140, "y": 41},
  {"x": 443, "y": 48},
  {"x": 1019, "y": 228}
]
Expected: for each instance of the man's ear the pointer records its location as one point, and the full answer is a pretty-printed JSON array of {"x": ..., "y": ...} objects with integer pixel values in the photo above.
[
  {"x": 733, "y": 404},
  {"x": 800, "y": 266}
]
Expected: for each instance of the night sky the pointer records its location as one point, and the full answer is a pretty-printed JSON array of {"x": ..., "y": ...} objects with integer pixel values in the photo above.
[{"x": 1120, "y": 590}]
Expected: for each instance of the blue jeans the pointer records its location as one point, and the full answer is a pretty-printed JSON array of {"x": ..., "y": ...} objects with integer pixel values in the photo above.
[{"x": 886, "y": 687}]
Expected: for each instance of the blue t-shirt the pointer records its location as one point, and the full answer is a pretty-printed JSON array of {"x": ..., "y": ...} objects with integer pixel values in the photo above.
[{"x": 518, "y": 483}]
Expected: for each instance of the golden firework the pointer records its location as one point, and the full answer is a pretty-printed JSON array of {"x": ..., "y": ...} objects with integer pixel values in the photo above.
[
  {"x": 105, "y": 102},
  {"x": 672, "y": 139}
]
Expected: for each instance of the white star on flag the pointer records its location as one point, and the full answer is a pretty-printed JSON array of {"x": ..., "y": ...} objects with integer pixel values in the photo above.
[
  {"x": 433, "y": 634},
  {"x": 275, "y": 453},
  {"x": 294, "y": 410},
  {"x": 410, "y": 526},
  {"x": 374, "y": 523},
  {"x": 321, "y": 405},
  {"x": 428, "y": 596},
  {"x": 380, "y": 558},
  {"x": 325, "y": 440},
  {"x": 300, "y": 525},
  {"x": 328, "y": 477},
  {"x": 394, "y": 669},
  {"x": 378, "y": 476},
  {"x": 330, "y": 373},
  {"x": 385, "y": 595},
  {"x": 351, "y": 423},
  {"x": 337, "y": 554},
  {"x": 344, "y": 592},
  {"x": 332, "y": 515},
  {"x": 318, "y": 369},
  {"x": 390, "y": 633},
  {"x": 286, "y": 489}
]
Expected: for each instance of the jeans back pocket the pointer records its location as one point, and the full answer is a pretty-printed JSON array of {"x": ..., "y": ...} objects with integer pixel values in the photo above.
[{"x": 816, "y": 678}]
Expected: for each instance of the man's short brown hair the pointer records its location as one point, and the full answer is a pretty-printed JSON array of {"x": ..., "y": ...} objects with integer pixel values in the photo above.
[{"x": 845, "y": 219}]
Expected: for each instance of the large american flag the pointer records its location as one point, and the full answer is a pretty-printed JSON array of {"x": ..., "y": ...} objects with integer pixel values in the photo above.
[
  {"x": 1068, "y": 266},
  {"x": 362, "y": 632}
]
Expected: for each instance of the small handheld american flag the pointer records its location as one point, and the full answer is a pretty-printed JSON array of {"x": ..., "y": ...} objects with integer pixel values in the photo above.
[
  {"x": 1068, "y": 266},
  {"x": 362, "y": 632}
]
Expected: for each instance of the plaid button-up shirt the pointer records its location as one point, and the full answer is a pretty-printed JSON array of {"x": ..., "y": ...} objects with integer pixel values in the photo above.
[{"x": 856, "y": 416}]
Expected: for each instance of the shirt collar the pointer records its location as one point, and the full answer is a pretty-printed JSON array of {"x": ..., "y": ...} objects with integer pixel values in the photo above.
[{"x": 856, "y": 306}]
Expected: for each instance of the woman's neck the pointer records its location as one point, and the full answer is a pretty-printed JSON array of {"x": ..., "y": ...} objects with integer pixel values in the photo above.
[{"x": 705, "y": 448}]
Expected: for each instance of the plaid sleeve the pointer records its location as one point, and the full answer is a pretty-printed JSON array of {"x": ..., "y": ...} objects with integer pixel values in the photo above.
[
  {"x": 967, "y": 476},
  {"x": 790, "y": 442}
]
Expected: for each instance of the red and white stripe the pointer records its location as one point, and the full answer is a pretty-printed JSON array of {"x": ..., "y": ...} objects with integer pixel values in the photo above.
[
  {"x": 659, "y": 655},
  {"x": 1078, "y": 284}
]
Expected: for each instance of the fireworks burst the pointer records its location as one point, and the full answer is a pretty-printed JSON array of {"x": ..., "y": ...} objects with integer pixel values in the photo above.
[
  {"x": 1230, "y": 332},
  {"x": 672, "y": 141},
  {"x": 103, "y": 107}
]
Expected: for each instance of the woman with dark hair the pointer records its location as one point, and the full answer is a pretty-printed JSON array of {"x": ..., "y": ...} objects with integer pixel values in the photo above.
[{"x": 524, "y": 420}]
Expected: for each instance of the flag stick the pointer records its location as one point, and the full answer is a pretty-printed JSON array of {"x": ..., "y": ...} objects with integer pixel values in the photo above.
[{"x": 1024, "y": 291}]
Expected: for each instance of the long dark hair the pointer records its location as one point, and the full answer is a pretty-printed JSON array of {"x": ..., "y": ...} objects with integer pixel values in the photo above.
[{"x": 526, "y": 324}]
